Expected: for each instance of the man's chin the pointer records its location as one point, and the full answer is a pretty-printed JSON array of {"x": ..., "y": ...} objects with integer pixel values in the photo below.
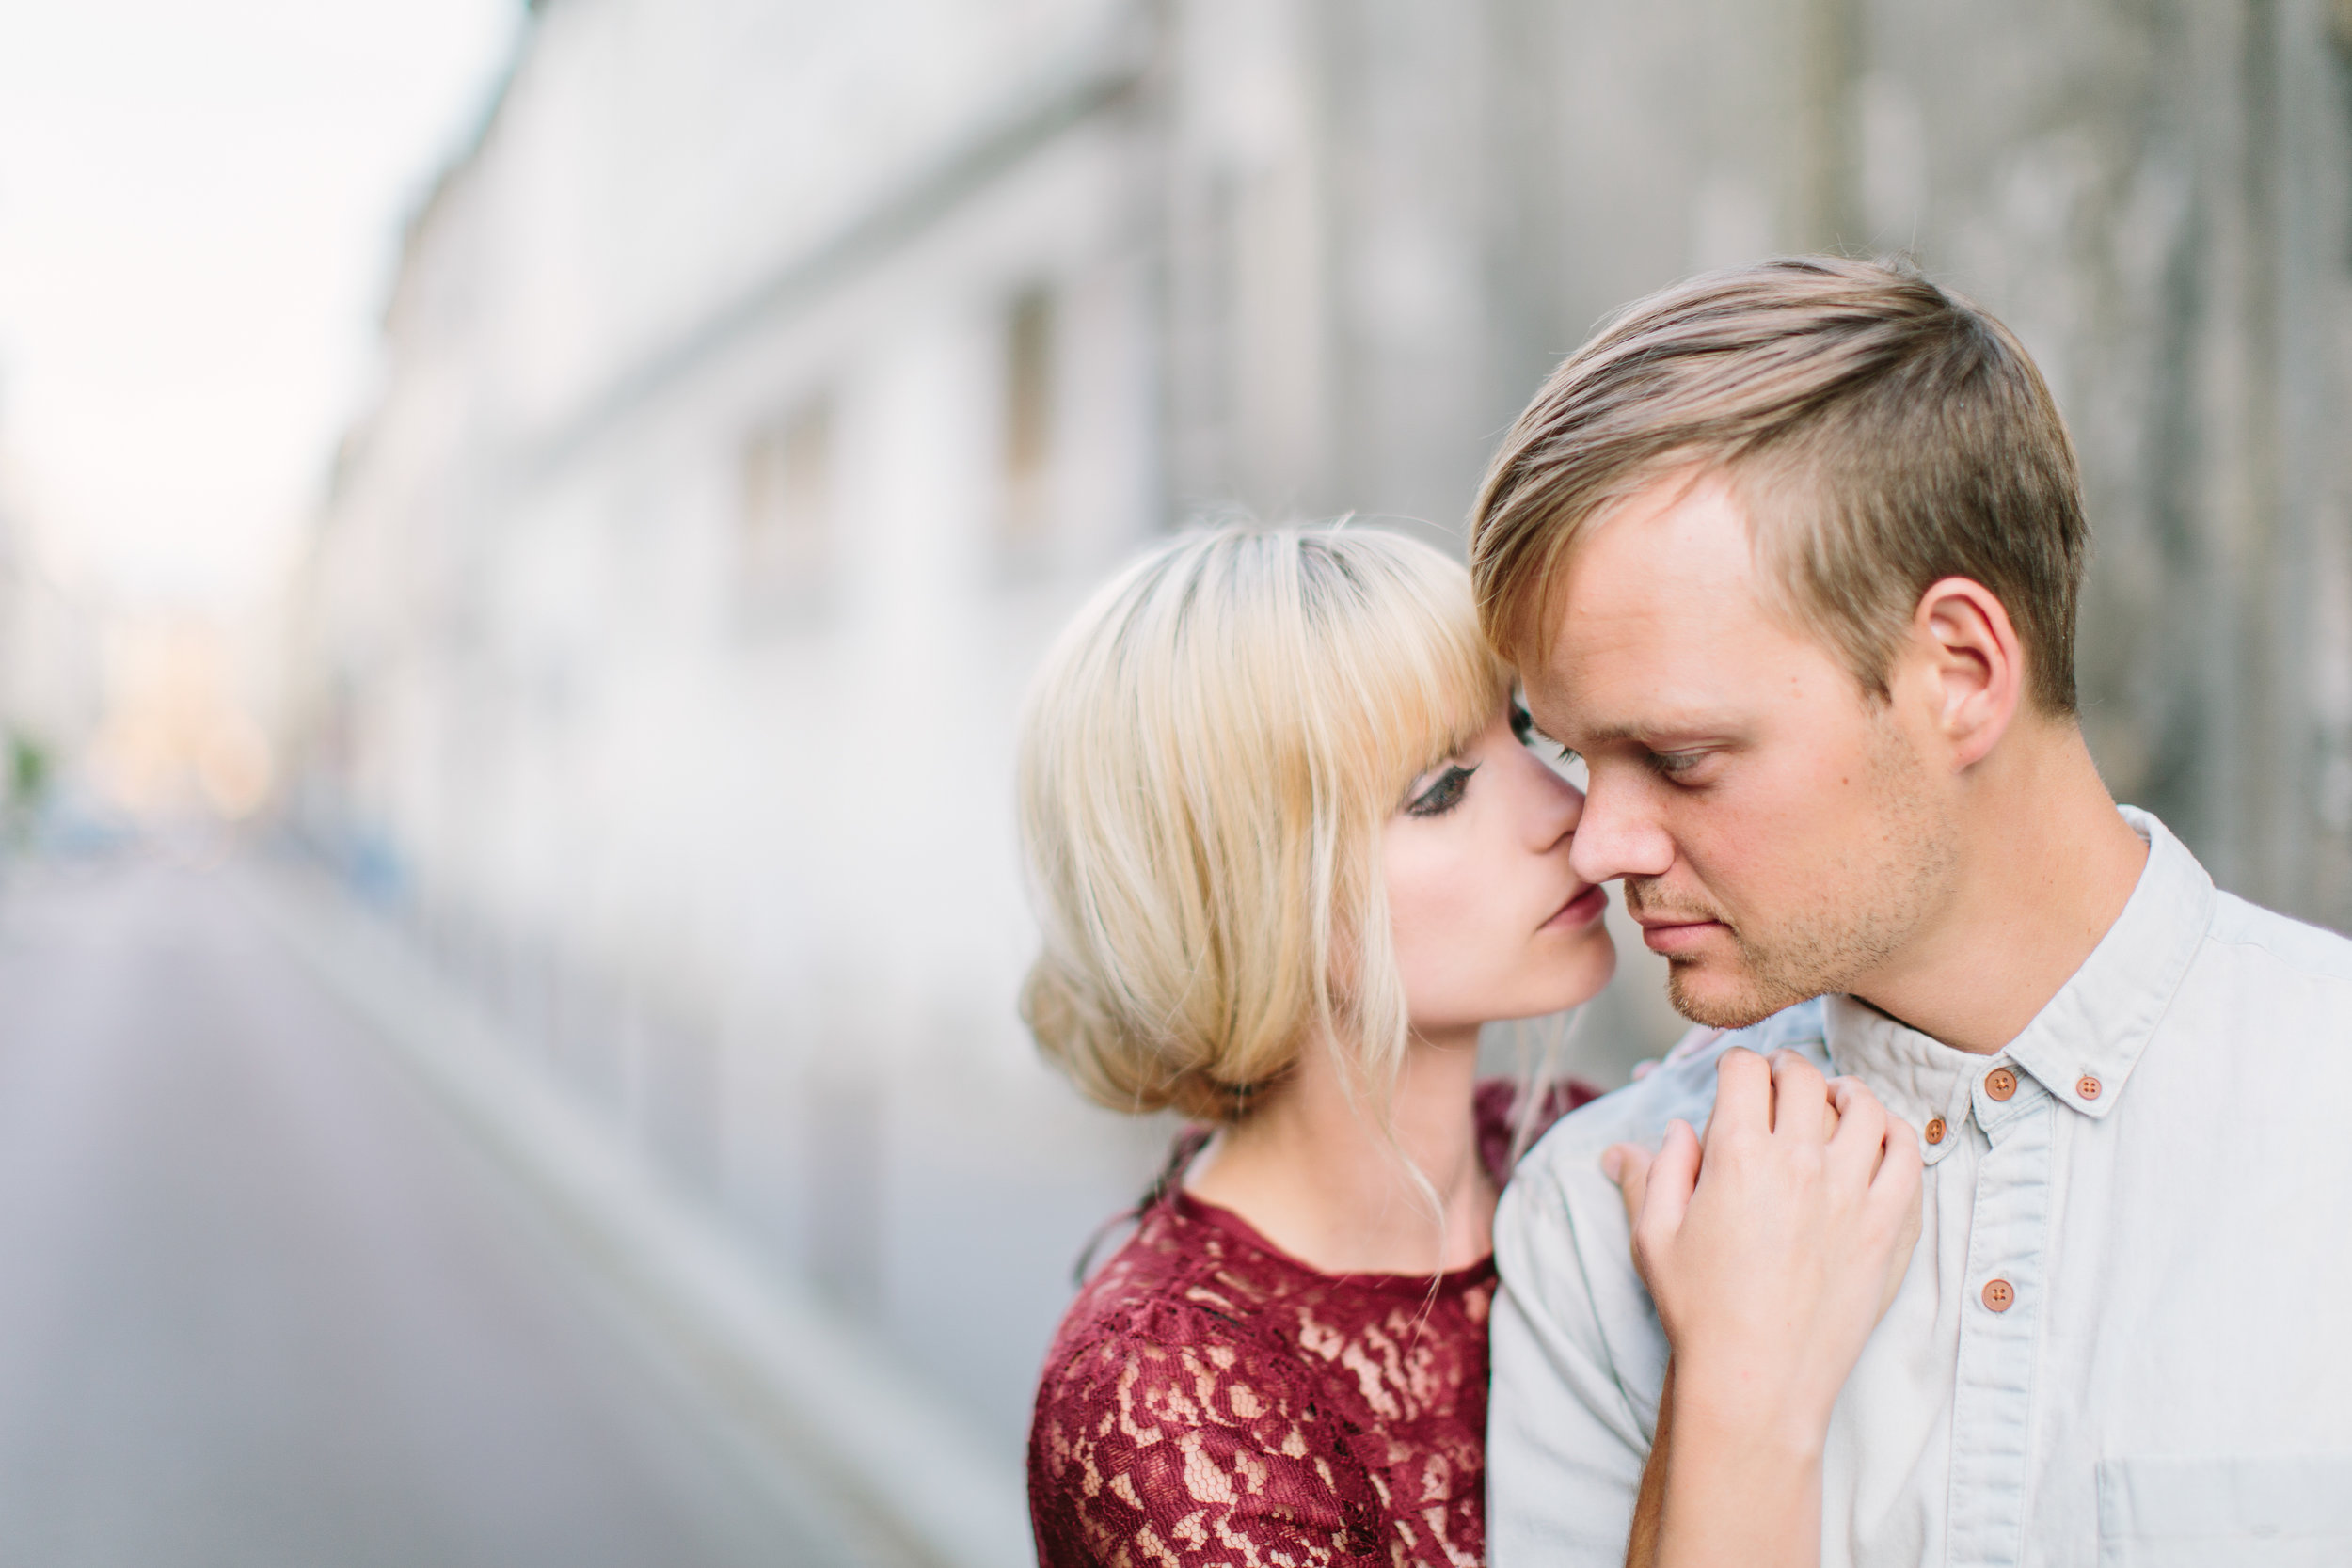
[{"x": 1703, "y": 993}]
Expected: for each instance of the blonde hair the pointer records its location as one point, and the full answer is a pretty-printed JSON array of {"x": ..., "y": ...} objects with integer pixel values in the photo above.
[
  {"x": 1884, "y": 432},
  {"x": 1206, "y": 762}
]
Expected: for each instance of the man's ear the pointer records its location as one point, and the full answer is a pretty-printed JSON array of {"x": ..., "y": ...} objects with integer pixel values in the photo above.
[{"x": 1977, "y": 666}]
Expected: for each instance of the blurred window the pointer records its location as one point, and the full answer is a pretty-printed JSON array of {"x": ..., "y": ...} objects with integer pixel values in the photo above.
[
  {"x": 787, "y": 511},
  {"x": 1029, "y": 333}
]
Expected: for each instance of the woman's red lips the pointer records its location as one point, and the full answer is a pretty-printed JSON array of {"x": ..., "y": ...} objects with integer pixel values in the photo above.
[{"x": 1582, "y": 909}]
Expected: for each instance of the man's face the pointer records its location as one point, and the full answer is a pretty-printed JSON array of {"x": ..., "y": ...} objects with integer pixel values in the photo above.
[{"x": 1781, "y": 834}]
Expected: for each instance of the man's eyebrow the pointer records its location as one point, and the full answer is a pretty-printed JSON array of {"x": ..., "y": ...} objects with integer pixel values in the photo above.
[
  {"x": 1675, "y": 727},
  {"x": 1535, "y": 728}
]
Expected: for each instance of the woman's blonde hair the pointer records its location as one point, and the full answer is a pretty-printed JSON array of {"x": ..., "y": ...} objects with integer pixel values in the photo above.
[{"x": 1206, "y": 762}]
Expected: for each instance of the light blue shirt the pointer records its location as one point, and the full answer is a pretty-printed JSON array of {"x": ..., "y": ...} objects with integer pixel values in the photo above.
[{"x": 2166, "y": 1194}]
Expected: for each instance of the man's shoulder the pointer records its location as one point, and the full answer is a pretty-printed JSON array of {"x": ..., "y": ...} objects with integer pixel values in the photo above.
[
  {"x": 1574, "y": 1322},
  {"x": 1682, "y": 1087},
  {"x": 2280, "y": 940},
  {"x": 1559, "y": 1202}
]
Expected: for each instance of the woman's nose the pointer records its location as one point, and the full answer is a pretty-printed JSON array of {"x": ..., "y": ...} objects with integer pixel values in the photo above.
[{"x": 1562, "y": 805}]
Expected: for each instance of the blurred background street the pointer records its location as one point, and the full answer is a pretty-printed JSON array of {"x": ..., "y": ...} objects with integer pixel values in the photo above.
[
  {"x": 264, "y": 1303},
  {"x": 523, "y": 529}
]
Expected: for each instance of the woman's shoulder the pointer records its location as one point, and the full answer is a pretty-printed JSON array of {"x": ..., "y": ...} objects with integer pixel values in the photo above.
[
  {"x": 1174, "y": 1337},
  {"x": 1167, "y": 1399},
  {"x": 1171, "y": 1292}
]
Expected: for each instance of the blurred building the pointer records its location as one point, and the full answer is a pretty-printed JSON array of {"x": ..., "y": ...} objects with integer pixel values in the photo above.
[
  {"x": 771, "y": 379},
  {"x": 53, "y": 689}
]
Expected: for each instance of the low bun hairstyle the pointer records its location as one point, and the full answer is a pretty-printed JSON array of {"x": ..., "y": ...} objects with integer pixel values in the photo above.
[{"x": 1206, "y": 761}]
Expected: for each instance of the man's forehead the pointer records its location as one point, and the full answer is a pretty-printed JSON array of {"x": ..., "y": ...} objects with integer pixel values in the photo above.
[
  {"x": 1667, "y": 643},
  {"x": 1675, "y": 559},
  {"x": 1657, "y": 629},
  {"x": 1588, "y": 717}
]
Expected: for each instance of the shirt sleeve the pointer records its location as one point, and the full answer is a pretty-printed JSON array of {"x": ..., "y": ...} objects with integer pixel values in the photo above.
[
  {"x": 1565, "y": 1436},
  {"x": 1189, "y": 1456},
  {"x": 1578, "y": 1355}
]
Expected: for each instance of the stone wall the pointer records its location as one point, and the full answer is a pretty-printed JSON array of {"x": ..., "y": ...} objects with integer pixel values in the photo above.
[{"x": 2155, "y": 195}]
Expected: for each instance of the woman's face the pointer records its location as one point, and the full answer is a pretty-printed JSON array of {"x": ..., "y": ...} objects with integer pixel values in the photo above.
[{"x": 1489, "y": 922}]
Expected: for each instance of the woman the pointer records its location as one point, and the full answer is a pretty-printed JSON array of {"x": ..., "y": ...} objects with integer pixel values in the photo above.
[{"x": 1289, "y": 855}]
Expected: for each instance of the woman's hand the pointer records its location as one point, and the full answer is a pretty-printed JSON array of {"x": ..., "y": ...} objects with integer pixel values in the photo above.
[{"x": 1772, "y": 1251}]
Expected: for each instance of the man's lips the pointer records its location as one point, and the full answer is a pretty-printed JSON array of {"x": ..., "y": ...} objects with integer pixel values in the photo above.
[
  {"x": 1671, "y": 934},
  {"x": 1582, "y": 909}
]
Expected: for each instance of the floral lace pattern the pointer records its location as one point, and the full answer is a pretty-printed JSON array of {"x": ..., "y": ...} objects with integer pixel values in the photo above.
[{"x": 1211, "y": 1402}]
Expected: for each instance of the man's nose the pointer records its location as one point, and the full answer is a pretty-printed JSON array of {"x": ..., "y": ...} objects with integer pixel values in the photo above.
[{"x": 1618, "y": 835}]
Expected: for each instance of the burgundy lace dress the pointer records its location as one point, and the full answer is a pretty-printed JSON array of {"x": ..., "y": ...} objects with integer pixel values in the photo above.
[{"x": 1212, "y": 1401}]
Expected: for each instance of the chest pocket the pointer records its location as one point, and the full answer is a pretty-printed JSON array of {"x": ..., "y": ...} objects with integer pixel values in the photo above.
[{"x": 2284, "y": 1510}]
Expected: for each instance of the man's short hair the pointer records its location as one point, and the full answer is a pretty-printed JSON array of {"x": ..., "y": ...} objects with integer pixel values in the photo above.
[{"x": 1883, "y": 434}]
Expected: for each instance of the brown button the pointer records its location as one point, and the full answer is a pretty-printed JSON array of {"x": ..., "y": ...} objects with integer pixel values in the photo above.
[
  {"x": 1935, "y": 1130},
  {"x": 2087, "y": 1086},
  {"x": 1997, "y": 1295},
  {"x": 2000, "y": 1083}
]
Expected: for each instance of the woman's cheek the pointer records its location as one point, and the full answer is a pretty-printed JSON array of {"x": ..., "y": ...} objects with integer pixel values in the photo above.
[
  {"x": 1422, "y": 883},
  {"x": 1440, "y": 900},
  {"x": 1450, "y": 918}
]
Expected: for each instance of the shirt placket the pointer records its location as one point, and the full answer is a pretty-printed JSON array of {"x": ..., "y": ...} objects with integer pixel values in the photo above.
[{"x": 1999, "y": 1320}]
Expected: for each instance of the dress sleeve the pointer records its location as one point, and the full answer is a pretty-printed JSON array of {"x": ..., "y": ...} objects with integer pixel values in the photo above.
[{"x": 1166, "y": 1450}]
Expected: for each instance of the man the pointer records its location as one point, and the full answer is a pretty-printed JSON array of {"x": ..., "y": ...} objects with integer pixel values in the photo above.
[{"x": 1790, "y": 555}]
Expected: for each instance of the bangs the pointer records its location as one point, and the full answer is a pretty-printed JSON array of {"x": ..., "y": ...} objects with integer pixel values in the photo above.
[{"x": 1400, "y": 673}]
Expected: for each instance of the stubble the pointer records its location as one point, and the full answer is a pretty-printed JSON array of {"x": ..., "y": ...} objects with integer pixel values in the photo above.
[{"x": 1845, "y": 916}]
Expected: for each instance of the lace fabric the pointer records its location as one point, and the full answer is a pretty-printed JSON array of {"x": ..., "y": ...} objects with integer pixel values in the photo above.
[{"x": 1212, "y": 1401}]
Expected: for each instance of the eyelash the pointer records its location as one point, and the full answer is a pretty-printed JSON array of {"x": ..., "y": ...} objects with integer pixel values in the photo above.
[
  {"x": 1523, "y": 726},
  {"x": 1443, "y": 796},
  {"x": 1669, "y": 766}
]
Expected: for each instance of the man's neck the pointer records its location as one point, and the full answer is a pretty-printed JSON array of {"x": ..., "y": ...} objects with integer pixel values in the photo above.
[
  {"x": 2046, "y": 867},
  {"x": 1312, "y": 1171}
]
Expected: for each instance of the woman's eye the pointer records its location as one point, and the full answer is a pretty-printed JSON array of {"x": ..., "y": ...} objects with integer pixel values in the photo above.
[{"x": 1443, "y": 794}]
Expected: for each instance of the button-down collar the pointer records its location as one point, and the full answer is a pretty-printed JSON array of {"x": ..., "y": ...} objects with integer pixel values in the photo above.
[
  {"x": 1917, "y": 1077},
  {"x": 2100, "y": 1022},
  {"x": 2093, "y": 1029}
]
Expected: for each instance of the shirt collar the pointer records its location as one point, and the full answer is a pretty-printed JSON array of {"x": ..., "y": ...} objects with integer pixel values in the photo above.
[
  {"x": 2081, "y": 1048},
  {"x": 2084, "y": 1044}
]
